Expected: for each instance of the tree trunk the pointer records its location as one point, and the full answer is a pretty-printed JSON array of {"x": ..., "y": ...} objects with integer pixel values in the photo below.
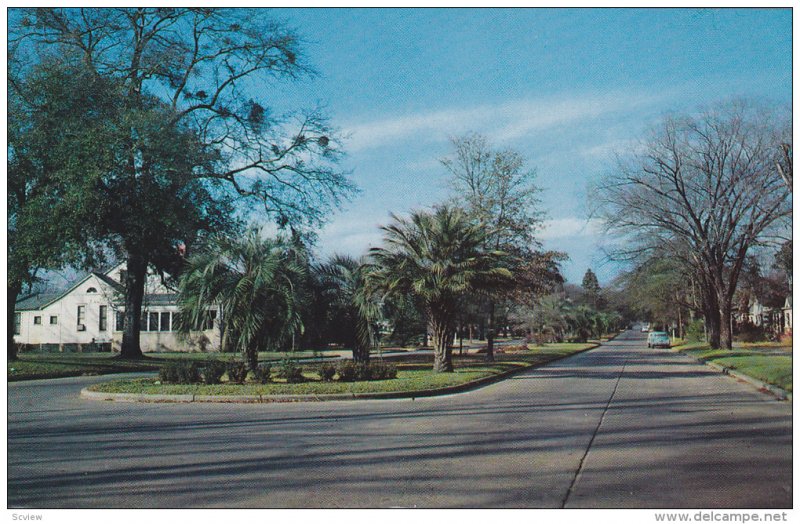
[
  {"x": 725, "y": 328},
  {"x": 490, "y": 333},
  {"x": 460, "y": 337},
  {"x": 360, "y": 353},
  {"x": 712, "y": 321},
  {"x": 14, "y": 289},
  {"x": 711, "y": 311},
  {"x": 134, "y": 296},
  {"x": 442, "y": 353},
  {"x": 251, "y": 357}
]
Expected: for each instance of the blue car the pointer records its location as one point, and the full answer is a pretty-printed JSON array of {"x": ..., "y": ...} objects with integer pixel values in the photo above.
[{"x": 658, "y": 339}]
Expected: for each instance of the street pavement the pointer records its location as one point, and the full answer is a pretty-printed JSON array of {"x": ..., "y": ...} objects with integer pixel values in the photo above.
[{"x": 619, "y": 426}]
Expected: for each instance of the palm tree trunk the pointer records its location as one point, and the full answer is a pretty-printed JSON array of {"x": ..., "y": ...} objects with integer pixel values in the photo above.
[
  {"x": 251, "y": 357},
  {"x": 360, "y": 353},
  {"x": 442, "y": 352}
]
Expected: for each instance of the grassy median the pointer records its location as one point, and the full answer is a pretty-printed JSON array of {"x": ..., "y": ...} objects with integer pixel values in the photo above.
[
  {"x": 31, "y": 366},
  {"x": 414, "y": 374},
  {"x": 768, "y": 363}
]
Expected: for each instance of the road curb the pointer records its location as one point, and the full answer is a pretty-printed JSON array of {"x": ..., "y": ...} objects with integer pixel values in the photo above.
[
  {"x": 268, "y": 399},
  {"x": 779, "y": 393},
  {"x": 134, "y": 397}
]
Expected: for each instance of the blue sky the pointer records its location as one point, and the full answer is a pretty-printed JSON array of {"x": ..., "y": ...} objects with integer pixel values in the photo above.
[{"x": 564, "y": 87}]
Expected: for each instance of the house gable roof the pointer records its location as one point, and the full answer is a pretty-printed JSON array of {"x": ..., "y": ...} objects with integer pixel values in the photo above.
[
  {"x": 42, "y": 300},
  {"x": 36, "y": 301}
]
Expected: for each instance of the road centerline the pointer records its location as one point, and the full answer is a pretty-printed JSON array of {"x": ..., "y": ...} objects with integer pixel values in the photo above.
[{"x": 594, "y": 435}]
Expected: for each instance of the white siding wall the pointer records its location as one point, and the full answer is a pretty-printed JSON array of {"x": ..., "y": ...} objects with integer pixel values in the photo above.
[
  {"x": 66, "y": 312},
  {"x": 66, "y": 329}
]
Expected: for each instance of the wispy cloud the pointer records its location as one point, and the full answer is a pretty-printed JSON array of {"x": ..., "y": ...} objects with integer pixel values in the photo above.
[
  {"x": 352, "y": 235},
  {"x": 502, "y": 122},
  {"x": 569, "y": 227}
]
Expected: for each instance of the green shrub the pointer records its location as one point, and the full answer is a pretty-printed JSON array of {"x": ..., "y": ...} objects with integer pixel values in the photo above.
[
  {"x": 747, "y": 332},
  {"x": 290, "y": 371},
  {"x": 168, "y": 374},
  {"x": 350, "y": 371},
  {"x": 363, "y": 371},
  {"x": 346, "y": 369},
  {"x": 179, "y": 372},
  {"x": 262, "y": 373},
  {"x": 695, "y": 331},
  {"x": 327, "y": 371},
  {"x": 212, "y": 372},
  {"x": 237, "y": 372},
  {"x": 383, "y": 371}
]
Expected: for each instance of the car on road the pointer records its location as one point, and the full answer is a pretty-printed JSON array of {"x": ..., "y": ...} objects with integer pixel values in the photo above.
[
  {"x": 658, "y": 339},
  {"x": 645, "y": 328}
]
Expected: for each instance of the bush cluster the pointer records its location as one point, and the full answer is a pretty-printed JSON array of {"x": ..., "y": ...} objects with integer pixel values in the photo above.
[
  {"x": 748, "y": 332},
  {"x": 212, "y": 372},
  {"x": 237, "y": 372},
  {"x": 262, "y": 373},
  {"x": 188, "y": 372},
  {"x": 179, "y": 372},
  {"x": 350, "y": 371},
  {"x": 327, "y": 371},
  {"x": 290, "y": 371}
]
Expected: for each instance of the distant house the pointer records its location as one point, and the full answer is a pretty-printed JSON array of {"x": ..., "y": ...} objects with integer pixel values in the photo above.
[
  {"x": 90, "y": 315},
  {"x": 787, "y": 315},
  {"x": 771, "y": 317}
]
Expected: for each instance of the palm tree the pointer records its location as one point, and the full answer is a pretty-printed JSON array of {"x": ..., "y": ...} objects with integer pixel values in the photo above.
[
  {"x": 254, "y": 280},
  {"x": 437, "y": 256},
  {"x": 353, "y": 310},
  {"x": 580, "y": 322}
]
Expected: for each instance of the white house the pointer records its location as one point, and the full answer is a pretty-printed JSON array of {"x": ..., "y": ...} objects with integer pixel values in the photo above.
[{"x": 89, "y": 316}]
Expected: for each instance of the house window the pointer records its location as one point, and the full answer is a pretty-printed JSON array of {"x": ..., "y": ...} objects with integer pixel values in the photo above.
[
  {"x": 165, "y": 321},
  {"x": 153, "y": 321},
  {"x": 17, "y": 322},
  {"x": 81, "y": 318},
  {"x": 53, "y": 320},
  {"x": 103, "y": 325},
  {"x": 120, "y": 326},
  {"x": 37, "y": 320},
  {"x": 91, "y": 290}
]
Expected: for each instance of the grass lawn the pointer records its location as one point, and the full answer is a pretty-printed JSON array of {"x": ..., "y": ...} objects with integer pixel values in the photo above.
[
  {"x": 53, "y": 365},
  {"x": 766, "y": 362},
  {"x": 414, "y": 374}
]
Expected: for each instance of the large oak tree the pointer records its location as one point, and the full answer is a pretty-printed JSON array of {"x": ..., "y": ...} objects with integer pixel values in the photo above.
[
  {"x": 199, "y": 74},
  {"x": 703, "y": 189}
]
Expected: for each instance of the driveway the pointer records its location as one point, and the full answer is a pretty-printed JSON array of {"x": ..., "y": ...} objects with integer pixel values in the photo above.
[{"x": 618, "y": 426}]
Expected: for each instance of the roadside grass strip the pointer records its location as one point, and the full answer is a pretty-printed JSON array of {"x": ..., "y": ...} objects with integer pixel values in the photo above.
[
  {"x": 768, "y": 363},
  {"x": 414, "y": 375}
]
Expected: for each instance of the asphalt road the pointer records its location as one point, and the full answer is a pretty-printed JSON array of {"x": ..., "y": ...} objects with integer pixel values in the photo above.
[{"x": 618, "y": 426}]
